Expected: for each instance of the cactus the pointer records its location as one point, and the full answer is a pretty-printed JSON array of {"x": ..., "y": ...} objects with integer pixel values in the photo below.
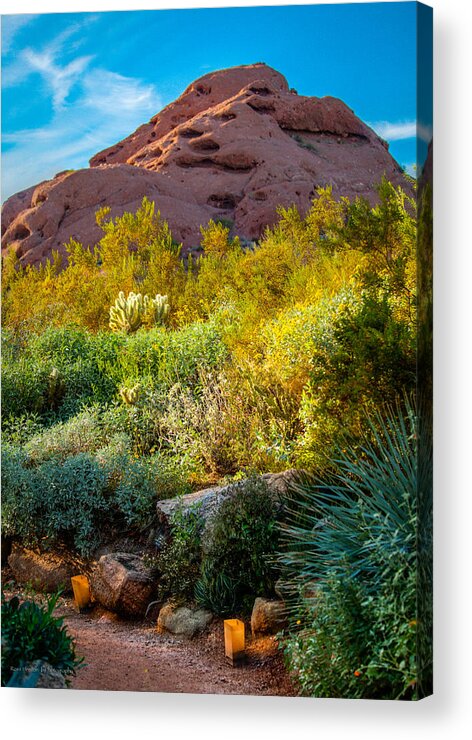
[
  {"x": 56, "y": 388},
  {"x": 130, "y": 396},
  {"x": 160, "y": 309},
  {"x": 128, "y": 314}
]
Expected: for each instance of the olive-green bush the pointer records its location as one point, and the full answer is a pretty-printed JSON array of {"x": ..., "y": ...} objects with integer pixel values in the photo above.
[
  {"x": 237, "y": 565},
  {"x": 81, "y": 499},
  {"x": 179, "y": 562}
]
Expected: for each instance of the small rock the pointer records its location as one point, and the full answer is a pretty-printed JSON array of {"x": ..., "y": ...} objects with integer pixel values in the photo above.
[
  {"x": 108, "y": 617},
  {"x": 182, "y": 620},
  {"x": 45, "y": 571},
  {"x": 268, "y": 617},
  {"x": 122, "y": 583}
]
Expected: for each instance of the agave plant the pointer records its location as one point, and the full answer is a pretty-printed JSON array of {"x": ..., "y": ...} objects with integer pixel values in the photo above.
[{"x": 349, "y": 566}]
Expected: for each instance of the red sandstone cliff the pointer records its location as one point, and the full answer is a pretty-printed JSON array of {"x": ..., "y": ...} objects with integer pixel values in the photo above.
[{"x": 235, "y": 145}]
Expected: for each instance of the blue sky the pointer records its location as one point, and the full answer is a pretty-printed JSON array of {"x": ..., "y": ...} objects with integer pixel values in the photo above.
[{"x": 74, "y": 83}]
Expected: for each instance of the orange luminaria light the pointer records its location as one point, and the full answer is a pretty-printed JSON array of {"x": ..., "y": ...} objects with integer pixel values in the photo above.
[
  {"x": 81, "y": 588},
  {"x": 234, "y": 639}
]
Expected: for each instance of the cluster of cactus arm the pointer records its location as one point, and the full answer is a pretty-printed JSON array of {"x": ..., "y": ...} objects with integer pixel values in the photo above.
[
  {"x": 129, "y": 313},
  {"x": 130, "y": 396}
]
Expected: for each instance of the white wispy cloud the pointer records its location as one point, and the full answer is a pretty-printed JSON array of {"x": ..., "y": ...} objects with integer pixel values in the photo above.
[
  {"x": 105, "y": 91},
  {"x": 11, "y": 25},
  {"x": 59, "y": 80},
  {"x": 395, "y": 131},
  {"x": 58, "y": 77},
  {"x": 104, "y": 107}
]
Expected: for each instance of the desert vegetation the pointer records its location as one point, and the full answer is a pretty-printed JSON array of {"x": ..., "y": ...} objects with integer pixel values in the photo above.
[
  {"x": 31, "y": 637},
  {"x": 131, "y": 375}
]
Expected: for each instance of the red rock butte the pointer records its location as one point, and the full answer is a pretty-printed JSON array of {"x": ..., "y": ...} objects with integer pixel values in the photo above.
[{"x": 235, "y": 145}]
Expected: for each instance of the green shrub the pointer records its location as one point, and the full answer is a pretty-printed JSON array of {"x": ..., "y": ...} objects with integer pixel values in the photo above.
[
  {"x": 113, "y": 419},
  {"x": 24, "y": 386},
  {"x": 143, "y": 482},
  {"x": 201, "y": 426},
  {"x": 349, "y": 562},
  {"x": 237, "y": 564},
  {"x": 83, "y": 360},
  {"x": 81, "y": 433},
  {"x": 115, "y": 456},
  {"x": 19, "y": 504},
  {"x": 55, "y": 502},
  {"x": 61, "y": 489},
  {"x": 262, "y": 422},
  {"x": 179, "y": 562},
  {"x": 74, "y": 496},
  {"x": 217, "y": 592},
  {"x": 57, "y": 372},
  {"x": 364, "y": 356},
  {"x": 142, "y": 419},
  {"x": 161, "y": 359},
  {"x": 31, "y": 632},
  {"x": 17, "y": 430}
]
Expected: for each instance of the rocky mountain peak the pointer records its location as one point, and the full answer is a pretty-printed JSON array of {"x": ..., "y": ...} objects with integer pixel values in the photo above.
[{"x": 235, "y": 145}]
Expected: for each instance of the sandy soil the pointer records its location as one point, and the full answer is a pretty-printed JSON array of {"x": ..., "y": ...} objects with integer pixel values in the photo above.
[
  {"x": 130, "y": 656},
  {"x": 122, "y": 655}
]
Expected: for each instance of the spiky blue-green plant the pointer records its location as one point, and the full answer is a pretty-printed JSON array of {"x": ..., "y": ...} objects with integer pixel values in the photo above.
[{"x": 350, "y": 566}]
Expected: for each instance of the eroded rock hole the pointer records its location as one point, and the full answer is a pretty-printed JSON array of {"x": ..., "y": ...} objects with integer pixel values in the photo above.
[
  {"x": 225, "y": 201},
  {"x": 262, "y": 90},
  {"x": 205, "y": 145},
  {"x": 21, "y": 232},
  {"x": 190, "y": 133},
  {"x": 261, "y": 107},
  {"x": 226, "y": 117},
  {"x": 187, "y": 163}
]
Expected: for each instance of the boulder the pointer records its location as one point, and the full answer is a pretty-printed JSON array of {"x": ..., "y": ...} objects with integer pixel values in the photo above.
[
  {"x": 209, "y": 501},
  {"x": 122, "y": 583},
  {"x": 65, "y": 208},
  {"x": 268, "y": 617},
  {"x": 46, "y": 571},
  {"x": 182, "y": 621},
  {"x": 210, "y": 90},
  {"x": 235, "y": 145}
]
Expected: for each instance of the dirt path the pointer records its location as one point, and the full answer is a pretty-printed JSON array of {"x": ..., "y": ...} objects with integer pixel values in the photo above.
[{"x": 130, "y": 656}]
